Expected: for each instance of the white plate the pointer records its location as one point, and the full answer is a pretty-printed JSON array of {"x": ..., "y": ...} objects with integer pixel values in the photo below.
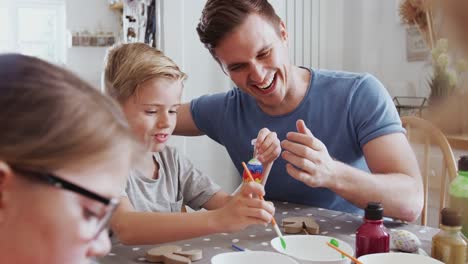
[
  {"x": 400, "y": 258},
  {"x": 252, "y": 257},
  {"x": 313, "y": 249}
]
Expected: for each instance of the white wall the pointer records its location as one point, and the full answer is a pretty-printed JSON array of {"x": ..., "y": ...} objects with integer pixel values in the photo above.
[
  {"x": 331, "y": 34},
  {"x": 181, "y": 43},
  {"x": 374, "y": 41},
  {"x": 318, "y": 23},
  {"x": 89, "y": 15}
]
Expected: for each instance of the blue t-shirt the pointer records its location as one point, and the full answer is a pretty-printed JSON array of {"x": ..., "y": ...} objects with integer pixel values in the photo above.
[{"x": 343, "y": 110}]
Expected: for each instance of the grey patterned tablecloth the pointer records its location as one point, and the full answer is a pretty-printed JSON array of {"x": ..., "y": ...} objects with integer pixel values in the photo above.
[{"x": 332, "y": 223}]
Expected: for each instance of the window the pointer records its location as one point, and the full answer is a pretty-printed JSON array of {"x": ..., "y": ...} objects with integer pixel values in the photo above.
[{"x": 34, "y": 27}]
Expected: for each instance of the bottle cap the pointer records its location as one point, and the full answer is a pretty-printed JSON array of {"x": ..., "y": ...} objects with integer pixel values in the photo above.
[
  {"x": 451, "y": 217},
  {"x": 463, "y": 163},
  {"x": 374, "y": 211},
  {"x": 253, "y": 141}
]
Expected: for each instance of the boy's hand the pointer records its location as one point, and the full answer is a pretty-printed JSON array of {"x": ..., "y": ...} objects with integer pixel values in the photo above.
[{"x": 242, "y": 210}]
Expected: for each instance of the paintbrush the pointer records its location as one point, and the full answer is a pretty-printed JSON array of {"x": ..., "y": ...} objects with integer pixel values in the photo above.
[
  {"x": 273, "y": 222},
  {"x": 344, "y": 253}
]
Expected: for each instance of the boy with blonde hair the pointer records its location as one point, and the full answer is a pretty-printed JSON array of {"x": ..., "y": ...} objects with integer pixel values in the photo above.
[{"x": 148, "y": 85}]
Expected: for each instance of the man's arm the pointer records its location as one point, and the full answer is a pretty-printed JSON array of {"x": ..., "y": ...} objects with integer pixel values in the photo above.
[
  {"x": 185, "y": 124},
  {"x": 395, "y": 179}
]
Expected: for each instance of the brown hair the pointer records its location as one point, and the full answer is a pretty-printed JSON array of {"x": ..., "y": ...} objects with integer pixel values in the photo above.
[
  {"x": 129, "y": 65},
  {"x": 52, "y": 119},
  {"x": 220, "y": 17}
]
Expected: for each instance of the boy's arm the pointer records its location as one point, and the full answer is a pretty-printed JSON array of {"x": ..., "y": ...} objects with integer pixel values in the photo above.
[
  {"x": 240, "y": 211},
  {"x": 218, "y": 200},
  {"x": 139, "y": 228}
]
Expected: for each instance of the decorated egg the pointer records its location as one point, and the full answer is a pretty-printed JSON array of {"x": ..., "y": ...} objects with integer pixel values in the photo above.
[
  {"x": 405, "y": 241},
  {"x": 256, "y": 169}
]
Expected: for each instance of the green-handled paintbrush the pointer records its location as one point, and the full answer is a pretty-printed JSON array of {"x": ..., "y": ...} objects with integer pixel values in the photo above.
[{"x": 273, "y": 222}]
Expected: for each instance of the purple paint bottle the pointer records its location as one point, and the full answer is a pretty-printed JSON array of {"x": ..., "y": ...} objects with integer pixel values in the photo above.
[{"x": 372, "y": 236}]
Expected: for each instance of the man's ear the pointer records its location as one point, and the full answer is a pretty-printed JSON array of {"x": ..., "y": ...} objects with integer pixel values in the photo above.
[{"x": 283, "y": 32}]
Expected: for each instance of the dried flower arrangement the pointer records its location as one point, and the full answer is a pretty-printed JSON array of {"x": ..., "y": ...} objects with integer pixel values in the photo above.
[{"x": 419, "y": 13}]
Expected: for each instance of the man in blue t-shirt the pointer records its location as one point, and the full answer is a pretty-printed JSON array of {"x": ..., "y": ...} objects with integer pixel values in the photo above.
[{"x": 342, "y": 140}]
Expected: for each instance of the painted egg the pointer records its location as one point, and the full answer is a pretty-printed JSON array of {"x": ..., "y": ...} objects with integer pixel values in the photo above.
[
  {"x": 256, "y": 169},
  {"x": 405, "y": 241}
]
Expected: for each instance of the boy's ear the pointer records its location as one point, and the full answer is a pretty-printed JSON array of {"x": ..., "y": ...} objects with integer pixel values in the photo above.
[{"x": 6, "y": 175}]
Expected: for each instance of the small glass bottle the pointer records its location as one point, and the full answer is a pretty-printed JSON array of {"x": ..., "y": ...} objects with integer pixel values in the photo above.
[
  {"x": 449, "y": 245},
  {"x": 372, "y": 236},
  {"x": 458, "y": 192}
]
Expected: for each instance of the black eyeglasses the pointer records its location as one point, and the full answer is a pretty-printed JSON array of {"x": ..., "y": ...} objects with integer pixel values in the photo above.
[{"x": 103, "y": 218}]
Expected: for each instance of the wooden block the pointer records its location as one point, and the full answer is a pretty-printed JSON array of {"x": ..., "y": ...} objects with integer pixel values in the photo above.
[
  {"x": 295, "y": 225},
  {"x": 157, "y": 254},
  {"x": 172, "y": 254},
  {"x": 193, "y": 255},
  {"x": 173, "y": 258}
]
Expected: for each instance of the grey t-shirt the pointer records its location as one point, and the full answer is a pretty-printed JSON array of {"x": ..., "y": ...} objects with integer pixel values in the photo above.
[{"x": 179, "y": 183}]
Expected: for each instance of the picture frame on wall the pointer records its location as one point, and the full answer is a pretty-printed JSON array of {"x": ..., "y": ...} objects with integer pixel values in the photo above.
[{"x": 416, "y": 47}]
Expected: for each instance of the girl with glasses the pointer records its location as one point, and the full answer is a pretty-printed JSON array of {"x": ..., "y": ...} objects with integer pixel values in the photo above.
[{"x": 65, "y": 150}]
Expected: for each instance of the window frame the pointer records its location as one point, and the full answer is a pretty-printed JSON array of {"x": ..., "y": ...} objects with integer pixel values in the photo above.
[{"x": 13, "y": 9}]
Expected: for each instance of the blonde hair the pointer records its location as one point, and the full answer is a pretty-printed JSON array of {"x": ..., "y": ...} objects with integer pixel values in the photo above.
[
  {"x": 129, "y": 65},
  {"x": 52, "y": 119}
]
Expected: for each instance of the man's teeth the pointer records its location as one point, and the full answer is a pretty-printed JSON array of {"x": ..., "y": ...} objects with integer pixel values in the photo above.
[{"x": 267, "y": 84}]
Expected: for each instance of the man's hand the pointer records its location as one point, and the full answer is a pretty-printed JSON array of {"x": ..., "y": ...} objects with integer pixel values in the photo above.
[
  {"x": 268, "y": 146},
  {"x": 307, "y": 157}
]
